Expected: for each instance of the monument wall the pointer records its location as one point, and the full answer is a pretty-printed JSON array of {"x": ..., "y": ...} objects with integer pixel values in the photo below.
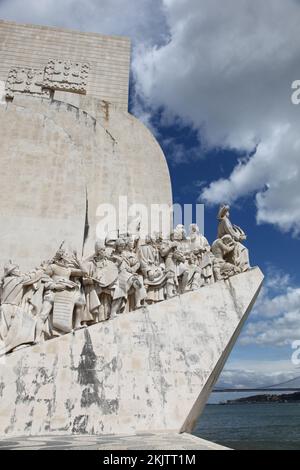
[
  {"x": 67, "y": 147},
  {"x": 108, "y": 56}
]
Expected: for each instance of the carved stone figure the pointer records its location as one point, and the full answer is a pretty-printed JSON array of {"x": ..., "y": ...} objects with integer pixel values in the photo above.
[
  {"x": 201, "y": 249},
  {"x": 153, "y": 270},
  {"x": 128, "y": 279},
  {"x": 167, "y": 251},
  {"x": 173, "y": 252},
  {"x": 122, "y": 275},
  {"x": 66, "y": 297},
  {"x": 100, "y": 282},
  {"x": 221, "y": 249},
  {"x": 240, "y": 256},
  {"x": 197, "y": 240},
  {"x": 194, "y": 279},
  {"x": 17, "y": 324},
  {"x": 131, "y": 248},
  {"x": 180, "y": 257}
]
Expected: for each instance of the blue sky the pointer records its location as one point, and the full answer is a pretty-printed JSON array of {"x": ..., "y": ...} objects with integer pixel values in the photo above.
[{"x": 214, "y": 85}]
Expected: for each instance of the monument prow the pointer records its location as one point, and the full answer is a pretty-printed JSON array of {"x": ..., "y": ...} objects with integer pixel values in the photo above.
[{"x": 149, "y": 370}]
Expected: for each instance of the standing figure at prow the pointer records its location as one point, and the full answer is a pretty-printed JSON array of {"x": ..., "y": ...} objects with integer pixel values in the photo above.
[{"x": 240, "y": 255}]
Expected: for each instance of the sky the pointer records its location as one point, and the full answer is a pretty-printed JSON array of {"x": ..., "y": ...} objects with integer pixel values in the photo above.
[{"x": 212, "y": 80}]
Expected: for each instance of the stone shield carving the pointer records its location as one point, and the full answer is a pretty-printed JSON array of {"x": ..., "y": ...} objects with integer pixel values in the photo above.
[
  {"x": 63, "y": 310},
  {"x": 66, "y": 75},
  {"x": 25, "y": 80}
]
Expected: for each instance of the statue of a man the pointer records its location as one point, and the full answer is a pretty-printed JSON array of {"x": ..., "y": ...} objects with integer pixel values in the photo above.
[
  {"x": 128, "y": 280},
  {"x": 240, "y": 255},
  {"x": 201, "y": 248},
  {"x": 67, "y": 297},
  {"x": 221, "y": 249},
  {"x": 195, "y": 280},
  {"x": 197, "y": 240},
  {"x": 173, "y": 252},
  {"x": 100, "y": 282},
  {"x": 17, "y": 325},
  {"x": 153, "y": 270}
]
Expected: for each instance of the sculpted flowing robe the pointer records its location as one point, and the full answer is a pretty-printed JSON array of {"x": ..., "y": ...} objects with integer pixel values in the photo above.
[
  {"x": 64, "y": 301},
  {"x": 102, "y": 276},
  {"x": 17, "y": 323},
  {"x": 149, "y": 257},
  {"x": 240, "y": 256},
  {"x": 128, "y": 264}
]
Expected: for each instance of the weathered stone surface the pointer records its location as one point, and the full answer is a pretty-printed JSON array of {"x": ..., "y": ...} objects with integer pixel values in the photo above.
[
  {"x": 66, "y": 75},
  {"x": 2, "y": 92},
  {"x": 108, "y": 56},
  {"x": 145, "y": 441},
  {"x": 59, "y": 163},
  {"x": 65, "y": 154},
  {"x": 146, "y": 371},
  {"x": 25, "y": 80}
]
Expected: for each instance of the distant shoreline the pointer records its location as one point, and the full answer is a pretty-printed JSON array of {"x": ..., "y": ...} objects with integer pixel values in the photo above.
[{"x": 265, "y": 398}]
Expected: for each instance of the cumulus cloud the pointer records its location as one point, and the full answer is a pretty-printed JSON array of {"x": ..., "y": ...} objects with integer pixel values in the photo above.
[
  {"x": 273, "y": 174},
  {"x": 275, "y": 319},
  {"x": 227, "y": 71},
  {"x": 142, "y": 20},
  {"x": 280, "y": 331},
  {"x": 248, "y": 374}
]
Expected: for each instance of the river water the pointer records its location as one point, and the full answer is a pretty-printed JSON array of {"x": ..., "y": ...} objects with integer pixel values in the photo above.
[{"x": 252, "y": 426}]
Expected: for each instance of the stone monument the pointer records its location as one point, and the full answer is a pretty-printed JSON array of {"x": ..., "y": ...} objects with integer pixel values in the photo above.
[
  {"x": 117, "y": 335},
  {"x": 68, "y": 143}
]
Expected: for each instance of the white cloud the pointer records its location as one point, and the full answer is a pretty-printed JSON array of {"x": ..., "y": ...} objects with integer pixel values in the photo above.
[
  {"x": 275, "y": 318},
  {"x": 255, "y": 374},
  {"x": 249, "y": 374},
  {"x": 279, "y": 332},
  {"x": 228, "y": 72},
  {"x": 142, "y": 20},
  {"x": 273, "y": 173}
]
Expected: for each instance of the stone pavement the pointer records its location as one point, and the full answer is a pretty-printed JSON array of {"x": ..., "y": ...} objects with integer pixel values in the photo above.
[{"x": 85, "y": 442}]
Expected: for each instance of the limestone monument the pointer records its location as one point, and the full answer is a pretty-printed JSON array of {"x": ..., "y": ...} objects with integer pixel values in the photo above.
[
  {"x": 68, "y": 143},
  {"x": 115, "y": 335}
]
